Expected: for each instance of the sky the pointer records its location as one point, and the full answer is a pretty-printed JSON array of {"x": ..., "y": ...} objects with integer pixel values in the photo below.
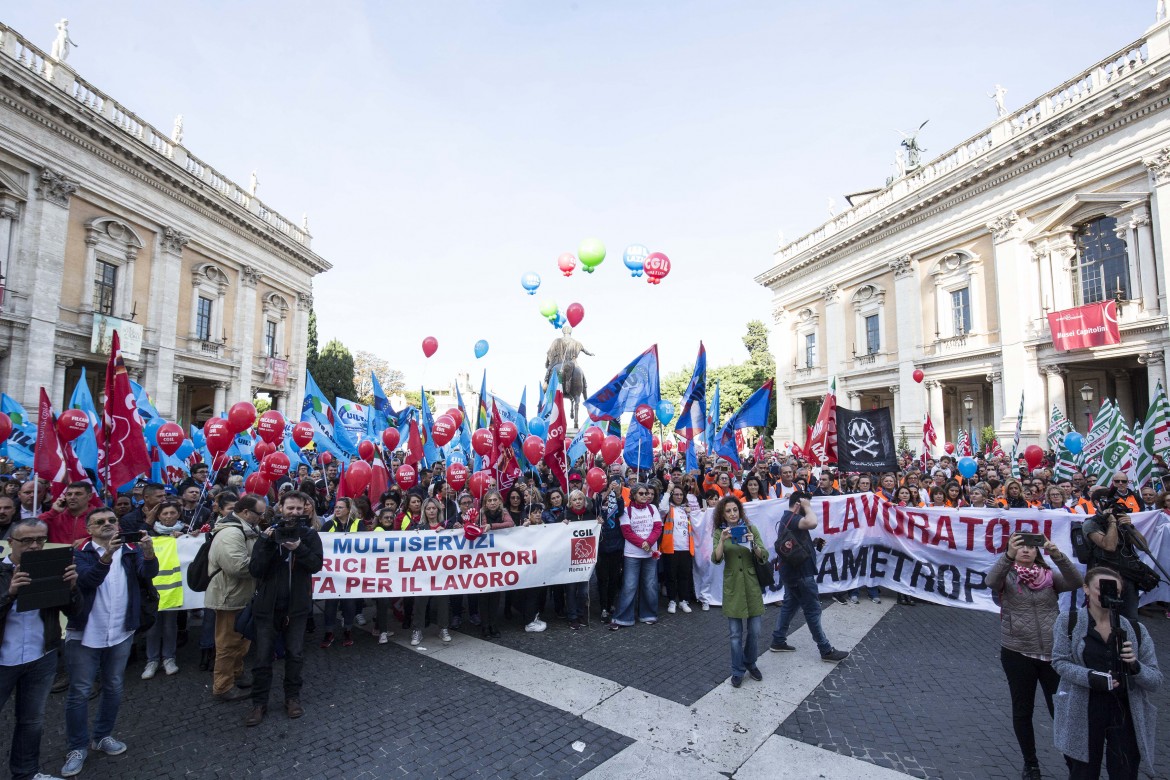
[{"x": 443, "y": 149}]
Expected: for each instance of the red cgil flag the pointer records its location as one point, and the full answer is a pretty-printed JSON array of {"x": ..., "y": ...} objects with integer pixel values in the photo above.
[
  {"x": 122, "y": 455},
  {"x": 554, "y": 448},
  {"x": 48, "y": 460},
  {"x": 414, "y": 445}
]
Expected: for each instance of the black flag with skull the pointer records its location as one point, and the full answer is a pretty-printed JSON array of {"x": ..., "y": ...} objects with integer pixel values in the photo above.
[{"x": 865, "y": 441}]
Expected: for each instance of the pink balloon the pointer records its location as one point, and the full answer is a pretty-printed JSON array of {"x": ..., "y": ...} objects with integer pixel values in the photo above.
[
  {"x": 574, "y": 314},
  {"x": 567, "y": 263},
  {"x": 430, "y": 345},
  {"x": 657, "y": 266}
]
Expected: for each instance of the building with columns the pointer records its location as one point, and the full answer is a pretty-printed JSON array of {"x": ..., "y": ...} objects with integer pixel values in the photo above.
[
  {"x": 954, "y": 267},
  {"x": 107, "y": 223}
]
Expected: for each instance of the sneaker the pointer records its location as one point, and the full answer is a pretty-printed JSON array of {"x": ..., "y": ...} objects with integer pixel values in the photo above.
[
  {"x": 150, "y": 671},
  {"x": 456, "y": 621},
  {"x": 853, "y": 599},
  {"x": 685, "y": 607},
  {"x": 781, "y": 647},
  {"x": 1031, "y": 772},
  {"x": 840, "y": 598},
  {"x": 61, "y": 681},
  {"x": 536, "y": 626},
  {"x": 875, "y": 599},
  {"x": 671, "y": 607},
  {"x": 706, "y": 606},
  {"x": 383, "y": 637},
  {"x": 327, "y": 640},
  {"x": 347, "y": 638},
  {"x": 170, "y": 667},
  {"x": 109, "y": 746},
  {"x": 833, "y": 656},
  {"x": 755, "y": 672},
  {"x": 43, "y": 776},
  {"x": 415, "y": 638},
  {"x": 444, "y": 635},
  {"x": 575, "y": 625},
  {"x": 605, "y": 615},
  {"x": 360, "y": 619},
  {"x": 74, "y": 761},
  {"x": 736, "y": 682}
]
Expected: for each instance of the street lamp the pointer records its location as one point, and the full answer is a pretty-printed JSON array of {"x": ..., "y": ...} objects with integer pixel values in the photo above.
[
  {"x": 1087, "y": 397},
  {"x": 969, "y": 404}
]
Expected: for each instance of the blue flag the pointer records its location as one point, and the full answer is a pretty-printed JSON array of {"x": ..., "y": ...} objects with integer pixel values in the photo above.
[
  {"x": 327, "y": 433},
  {"x": 85, "y": 446},
  {"x": 464, "y": 447},
  {"x": 753, "y": 414},
  {"x": 380, "y": 417},
  {"x": 635, "y": 384},
  {"x": 692, "y": 420},
  {"x": 639, "y": 449},
  {"x": 23, "y": 441},
  {"x": 426, "y": 430},
  {"x": 577, "y": 447},
  {"x": 712, "y": 421}
]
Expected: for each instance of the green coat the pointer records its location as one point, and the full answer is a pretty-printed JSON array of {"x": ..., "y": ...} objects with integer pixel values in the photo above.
[{"x": 742, "y": 597}]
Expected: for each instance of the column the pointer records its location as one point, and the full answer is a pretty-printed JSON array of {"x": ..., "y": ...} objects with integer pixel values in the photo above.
[
  {"x": 296, "y": 368},
  {"x": 221, "y": 389},
  {"x": 57, "y": 394},
  {"x": 176, "y": 406},
  {"x": 799, "y": 430},
  {"x": 87, "y": 281},
  {"x": 1159, "y": 167},
  {"x": 782, "y": 348},
  {"x": 8, "y": 214},
  {"x": 1055, "y": 378},
  {"x": 127, "y": 283},
  {"x": 834, "y": 331},
  {"x": 995, "y": 379},
  {"x": 897, "y": 404},
  {"x": 908, "y": 313},
  {"x": 1123, "y": 392},
  {"x": 245, "y": 330},
  {"x": 935, "y": 390},
  {"x": 162, "y": 317},
  {"x": 1155, "y": 363},
  {"x": 1147, "y": 270},
  {"x": 280, "y": 401}
]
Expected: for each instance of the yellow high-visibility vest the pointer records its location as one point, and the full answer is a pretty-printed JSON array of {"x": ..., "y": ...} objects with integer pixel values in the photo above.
[{"x": 169, "y": 580}]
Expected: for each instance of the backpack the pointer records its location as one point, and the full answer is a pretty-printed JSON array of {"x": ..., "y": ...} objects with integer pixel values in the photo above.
[
  {"x": 198, "y": 571},
  {"x": 789, "y": 547},
  {"x": 1081, "y": 546}
]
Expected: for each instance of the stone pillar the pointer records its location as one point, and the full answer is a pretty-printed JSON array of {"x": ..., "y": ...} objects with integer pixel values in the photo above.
[
  {"x": 896, "y": 397},
  {"x": 1056, "y": 393},
  {"x": 8, "y": 214},
  {"x": 1123, "y": 392},
  {"x": 1147, "y": 264},
  {"x": 162, "y": 316},
  {"x": 127, "y": 283},
  {"x": 908, "y": 314},
  {"x": 279, "y": 402},
  {"x": 935, "y": 389},
  {"x": 57, "y": 393},
  {"x": 296, "y": 368},
  {"x": 834, "y": 331},
  {"x": 798, "y": 426},
  {"x": 1155, "y": 363},
  {"x": 995, "y": 379},
  {"x": 782, "y": 350},
  {"x": 245, "y": 330},
  {"x": 87, "y": 281},
  {"x": 1159, "y": 167},
  {"x": 176, "y": 406},
  {"x": 221, "y": 389}
]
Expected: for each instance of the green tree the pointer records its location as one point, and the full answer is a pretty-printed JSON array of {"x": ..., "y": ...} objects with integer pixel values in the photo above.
[
  {"x": 414, "y": 399},
  {"x": 311, "y": 355},
  {"x": 262, "y": 405},
  {"x": 334, "y": 371}
]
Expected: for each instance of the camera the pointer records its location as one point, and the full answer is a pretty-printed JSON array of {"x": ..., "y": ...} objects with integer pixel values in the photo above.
[
  {"x": 290, "y": 529},
  {"x": 1110, "y": 597}
]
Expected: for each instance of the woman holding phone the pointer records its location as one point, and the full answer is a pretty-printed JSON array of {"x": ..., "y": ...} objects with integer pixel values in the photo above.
[
  {"x": 735, "y": 543},
  {"x": 1028, "y": 589}
]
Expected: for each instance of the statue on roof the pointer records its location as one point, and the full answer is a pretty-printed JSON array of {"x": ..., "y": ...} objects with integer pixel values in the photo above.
[
  {"x": 61, "y": 44},
  {"x": 913, "y": 150}
]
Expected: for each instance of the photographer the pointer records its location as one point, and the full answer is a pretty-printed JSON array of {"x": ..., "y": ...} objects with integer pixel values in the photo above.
[
  {"x": 1115, "y": 545},
  {"x": 1103, "y": 709},
  {"x": 284, "y": 560}
]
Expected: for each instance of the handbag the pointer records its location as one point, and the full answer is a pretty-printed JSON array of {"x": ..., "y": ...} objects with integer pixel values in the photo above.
[
  {"x": 245, "y": 624},
  {"x": 765, "y": 572}
]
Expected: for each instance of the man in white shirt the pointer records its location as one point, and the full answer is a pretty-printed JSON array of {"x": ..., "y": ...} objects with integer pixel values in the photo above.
[
  {"x": 99, "y": 637},
  {"x": 28, "y": 650}
]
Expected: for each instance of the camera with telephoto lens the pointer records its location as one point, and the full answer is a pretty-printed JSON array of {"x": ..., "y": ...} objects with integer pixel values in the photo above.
[{"x": 290, "y": 529}]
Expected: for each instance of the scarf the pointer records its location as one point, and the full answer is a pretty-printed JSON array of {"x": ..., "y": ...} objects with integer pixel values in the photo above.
[
  {"x": 635, "y": 505},
  {"x": 579, "y": 512},
  {"x": 1035, "y": 577}
]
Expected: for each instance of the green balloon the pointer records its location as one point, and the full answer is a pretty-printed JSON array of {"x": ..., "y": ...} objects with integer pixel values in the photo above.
[
  {"x": 591, "y": 253},
  {"x": 548, "y": 309}
]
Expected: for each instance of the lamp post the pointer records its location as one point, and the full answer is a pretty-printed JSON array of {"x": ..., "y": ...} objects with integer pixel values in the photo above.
[
  {"x": 969, "y": 404},
  {"x": 1087, "y": 397}
]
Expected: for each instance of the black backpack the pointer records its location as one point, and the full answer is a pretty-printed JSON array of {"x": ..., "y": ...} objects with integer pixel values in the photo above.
[
  {"x": 198, "y": 571},
  {"x": 789, "y": 546},
  {"x": 1081, "y": 546}
]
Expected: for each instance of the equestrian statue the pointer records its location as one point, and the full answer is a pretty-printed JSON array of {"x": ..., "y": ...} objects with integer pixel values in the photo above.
[{"x": 562, "y": 357}]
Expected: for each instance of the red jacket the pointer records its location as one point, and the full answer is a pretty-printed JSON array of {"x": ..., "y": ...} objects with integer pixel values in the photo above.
[{"x": 64, "y": 528}]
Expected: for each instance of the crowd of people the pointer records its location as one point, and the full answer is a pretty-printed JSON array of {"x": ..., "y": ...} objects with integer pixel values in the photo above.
[{"x": 263, "y": 551}]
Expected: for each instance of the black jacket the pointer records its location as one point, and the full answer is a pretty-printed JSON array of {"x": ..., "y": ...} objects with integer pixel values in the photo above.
[
  {"x": 51, "y": 618},
  {"x": 284, "y": 579}
]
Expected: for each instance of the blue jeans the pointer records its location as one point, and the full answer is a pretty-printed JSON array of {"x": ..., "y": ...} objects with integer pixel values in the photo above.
[
  {"x": 744, "y": 648},
  {"x": 802, "y": 594},
  {"x": 31, "y": 682},
  {"x": 162, "y": 637},
  {"x": 870, "y": 591},
  {"x": 207, "y": 634},
  {"x": 639, "y": 584},
  {"x": 84, "y": 665},
  {"x": 348, "y": 613}
]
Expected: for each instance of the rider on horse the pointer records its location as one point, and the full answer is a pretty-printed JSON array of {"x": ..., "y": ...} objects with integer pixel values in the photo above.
[{"x": 563, "y": 351}]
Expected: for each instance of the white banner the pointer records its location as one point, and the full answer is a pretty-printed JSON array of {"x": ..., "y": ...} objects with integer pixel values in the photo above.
[{"x": 939, "y": 555}]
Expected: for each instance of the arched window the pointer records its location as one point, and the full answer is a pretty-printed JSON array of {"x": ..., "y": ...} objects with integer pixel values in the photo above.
[{"x": 1102, "y": 268}]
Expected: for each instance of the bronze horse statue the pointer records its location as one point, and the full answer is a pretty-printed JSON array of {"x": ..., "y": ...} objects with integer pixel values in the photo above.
[{"x": 573, "y": 386}]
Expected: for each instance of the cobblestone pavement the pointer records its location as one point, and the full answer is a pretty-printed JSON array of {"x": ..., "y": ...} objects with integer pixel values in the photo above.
[{"x": 924, "y": 694}]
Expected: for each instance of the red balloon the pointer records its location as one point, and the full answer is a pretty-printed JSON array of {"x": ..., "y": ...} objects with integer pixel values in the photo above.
[
  {"x": 261, "y": 450},
  {"x": 71, "y": 424},
  {"x": 455, "y": 415},
  {"x": 611, "y": 449},
  {"x": 508, "y": 433},
  {"x": 302, "y": 433},
  {"x": 655, "y": 441},
  {"x": 170, "y": 438},
  {"x": 1033, "y": 456},
  {"x": 271, "y": 426},
  {"x": 918, "y": 375},
  {"x": 325, "y": 458},
  {"x": 220, "y": 461},
  {"x": 457, "y": 476},
  {"x": 656, "y": 267},
  {"x": 595, "y": 479},
  {"x": 682, "y": 445},
  {"x": 357, "y": 477},
  {"x": 593, "y": 438},
  {"x": 481, "y": 441},
  {"x": 430, "y": 345},
  {"x": 668, "y": 445},
  {"x": 406, "y": 476},
  {"x": 480, "y": 483},
  {"x": 5, "y": 427},
  {"x": 567, "y": 263},
  {"x": 256, "y": 483},
  {"x": 241, "y": 416},
  {"x": 366, "y": 450},
  {"x": 218, "y": 435},
  {"x": 533, "y": 449},
  {"x": 390, "y": 438},
  {"x": 275, "y": 466},
  {"x": 574, "y": 314},
  {"x": 644, "y": 414},
  {"x": 443, "y": 430},
  {"x": 950, "y": 448}
]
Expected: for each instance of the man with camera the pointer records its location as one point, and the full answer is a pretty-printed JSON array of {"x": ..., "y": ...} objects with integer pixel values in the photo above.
[
  {"x": 1116, "y": 543},
  {"x": 284, "y": 560}
]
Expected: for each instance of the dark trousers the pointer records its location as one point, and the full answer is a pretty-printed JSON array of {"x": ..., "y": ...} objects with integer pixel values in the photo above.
[
  {"x": 609, "y": 578},
  {"x": 532, "y": 601},
  {"x": 31, "y": 683},
  {"x": 292, "y": 631},
  {"x": 680, "y": 578},
  {"x": 1111, "y": 736},
  {"x": 489, "y": 607},
  {"x": 1023, "y": 674}
]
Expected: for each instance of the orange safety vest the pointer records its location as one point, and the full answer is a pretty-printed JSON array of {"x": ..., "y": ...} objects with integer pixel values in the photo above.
[{"x": 666, "y": 541}]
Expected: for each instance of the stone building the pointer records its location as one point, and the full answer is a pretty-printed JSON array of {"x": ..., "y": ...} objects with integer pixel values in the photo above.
[
  {"x": 955, "y": 266},
  {"x": 107, "y": 223}
]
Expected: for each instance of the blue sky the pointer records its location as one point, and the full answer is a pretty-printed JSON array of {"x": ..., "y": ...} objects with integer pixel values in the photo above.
[{"x": 442, "y": 149}]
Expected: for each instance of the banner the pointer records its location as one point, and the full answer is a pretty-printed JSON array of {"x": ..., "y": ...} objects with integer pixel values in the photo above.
[
  {"x": 1094, "y": 325},
  {"x": 937, "y": 555},
  {"x": 865, "y": 440}
]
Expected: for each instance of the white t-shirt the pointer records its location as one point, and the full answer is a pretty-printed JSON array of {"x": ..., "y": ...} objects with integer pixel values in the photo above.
[
  {"x": 682, "y": 529},
  {"x": 641, "y": 522},
  {"x": 104, "y": 627}
]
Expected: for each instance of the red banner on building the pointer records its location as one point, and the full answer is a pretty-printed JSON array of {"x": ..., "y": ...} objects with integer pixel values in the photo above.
[{"x": 1094, "y": 325}]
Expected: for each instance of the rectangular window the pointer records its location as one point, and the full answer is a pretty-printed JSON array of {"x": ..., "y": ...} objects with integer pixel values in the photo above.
[
  {"x": 810, "y": 350},
  {"x": 873, "y": 336},
  {"x": 105, "y": 284},
  {"x": 203, "y": 320},
  {"x": 270, "y": 338},
  {"x": 1103, "y": 259},
  {"x": 961, "y": 311}
]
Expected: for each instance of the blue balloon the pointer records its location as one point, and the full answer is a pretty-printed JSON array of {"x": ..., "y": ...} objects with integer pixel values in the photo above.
[
  {"x": 538, "y": 427},
  {"x": 635, "y": 258},
  {"x": 558, "y": 321},
  {"x": 665, "y": 411},
  {"x": 151, "y": 430},
  {"x": 185, "y": 449},
  {"x": 199, "y": 439},
  {"x": 530, "y": 282},
  {"x": 1074, "y": 442},
  {"x": 967, "y": 467},
  {"x": 481, "y": 348}
]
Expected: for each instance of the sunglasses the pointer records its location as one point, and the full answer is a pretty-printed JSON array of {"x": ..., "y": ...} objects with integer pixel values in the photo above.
[{"x": 104, "y": 521}]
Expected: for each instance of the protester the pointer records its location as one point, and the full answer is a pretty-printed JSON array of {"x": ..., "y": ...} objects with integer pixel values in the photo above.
[
  {"x": 67, "y": 518},
  {"x": 230, "y": 590},
  {"x": 343, "y": 520},
  {"x": 735, "y": 542},
  {"x": 610, "y": 551},
  {"x": 491, "y": 518},
  {"x": 1115, "y": 543},
  {"x": 678, "y": 547},
  {"x": 1028, "y": 590},
  {"x": 432, "y": 522},
  {"x": 580, "y": 510},
  {"x": 641, "y": 526}
]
